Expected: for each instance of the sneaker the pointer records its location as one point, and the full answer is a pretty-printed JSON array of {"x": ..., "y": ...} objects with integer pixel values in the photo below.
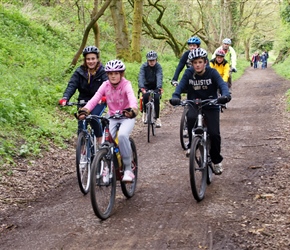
[
  {"x": 106, "y": 175},
  {"x": 128, "y": 176},
  {"x": 217, "y": 168},
  {"x": 158, "y": 123},
  {"x": 187, "y": 154},
  {"x": 144, "y": 118},
  {"x": 83, "y": 161}
]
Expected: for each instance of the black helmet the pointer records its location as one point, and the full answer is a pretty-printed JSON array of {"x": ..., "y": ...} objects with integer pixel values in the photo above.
[
  {"x": 91, "y": 49},
  {"x": 151, "y": 55}
]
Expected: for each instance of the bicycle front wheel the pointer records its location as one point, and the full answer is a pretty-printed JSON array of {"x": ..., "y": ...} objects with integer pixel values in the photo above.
[
  {"x": 149, "y": 121},
  {"x": 183, "y": 132},
  {"x": 153, "y": 119},
  {"x": 83, "y": 162},
  {"x": 197, "y": 169},
  {"x": 103, "y": 185},
  {"x": 128, "y": 188}
]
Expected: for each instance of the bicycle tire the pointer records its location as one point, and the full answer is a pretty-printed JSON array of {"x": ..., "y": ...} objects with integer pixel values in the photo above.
[
  {"x": 183, "y": 132},
  {"x": 128, "y": 188},
  {"x": 149, "y": 116},
  {"x": 197, "y": 172},
  {"x": 83, "y": 168},
  {"x": 102, "y": 192},
  {"x": 153, "y": 120},
  {"x": 209, "y": 164}
]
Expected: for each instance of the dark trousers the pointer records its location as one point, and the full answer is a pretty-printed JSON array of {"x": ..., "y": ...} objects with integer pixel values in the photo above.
[
  {"x": 212, "y": 118},
  {"x": 96, "y": 125},
  {"x": 156, "y": 103}
]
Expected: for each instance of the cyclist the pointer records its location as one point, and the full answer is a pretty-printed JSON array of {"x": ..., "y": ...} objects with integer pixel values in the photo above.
[
  {"x": 193, "y": 43},
  {"x": 203, "y": 82},
  {"x": 221, "y": 65},
  {"x": 120, "y": 97},
  {"x": 150, "y": 78},
  {"x": 87, "y": 79}
]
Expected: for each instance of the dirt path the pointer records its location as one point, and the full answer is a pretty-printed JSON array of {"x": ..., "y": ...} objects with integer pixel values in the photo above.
[{"x": 247, "y": 207}]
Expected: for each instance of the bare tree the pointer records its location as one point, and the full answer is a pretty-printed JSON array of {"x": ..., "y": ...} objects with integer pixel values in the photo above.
[{"x": 94, "y": 19}]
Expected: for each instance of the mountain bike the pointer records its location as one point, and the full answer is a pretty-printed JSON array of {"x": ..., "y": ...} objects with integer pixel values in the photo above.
[
  {"x": 107, "y": 168},
  {"x": 200, "y": 164},
  {"x": 150, "y": 114},
  {"x": 86, "y": 149}
]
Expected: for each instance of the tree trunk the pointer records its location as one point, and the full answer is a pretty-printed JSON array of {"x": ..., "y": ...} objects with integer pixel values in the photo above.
[
  {"x": 121, "y": 30},
  {"x": 137, "y": 31}
]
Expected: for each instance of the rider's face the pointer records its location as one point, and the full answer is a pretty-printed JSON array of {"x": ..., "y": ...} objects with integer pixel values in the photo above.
[
  {"x": 192, "y": 46},
  {"x": 199, "y": 65},
  {"x": 91, "y": 60},
  {"x": 114, "y": 77},
  {"x": 152, "y": 62}
]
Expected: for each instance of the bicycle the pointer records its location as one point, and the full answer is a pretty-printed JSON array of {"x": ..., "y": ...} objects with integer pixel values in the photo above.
[
  {"x": 200, "y": 165},
  {"x": 86, "y": 149},
  {"x": 107, "y": 168},
  {"x": 150, "y": 114}
]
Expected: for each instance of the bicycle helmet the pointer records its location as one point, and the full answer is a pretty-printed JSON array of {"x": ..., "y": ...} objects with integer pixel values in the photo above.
[
  {"x": 197, "y": 53},
  {"x": 91, "y": 49},
  {"x": 151, "y": 55},
  {"x": 227, "y": 41},
  {"x": 115, "y": 66},
  {"x": 220, "y": 53},
  {"x": 193, "y": 40}
]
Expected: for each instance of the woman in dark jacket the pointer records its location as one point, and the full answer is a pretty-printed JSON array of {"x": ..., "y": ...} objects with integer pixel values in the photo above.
[{"x": 87, "y": 79}]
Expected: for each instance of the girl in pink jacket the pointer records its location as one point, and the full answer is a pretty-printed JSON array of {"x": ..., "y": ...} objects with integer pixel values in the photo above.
[{"x": 119, "y": 96}]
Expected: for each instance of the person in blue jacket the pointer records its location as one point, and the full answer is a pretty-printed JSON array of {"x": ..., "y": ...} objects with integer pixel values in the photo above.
[
  {"x": 202, "y": 82},
  {"x": 87, "y": 79},
  {"x": 193, "y": 43}
]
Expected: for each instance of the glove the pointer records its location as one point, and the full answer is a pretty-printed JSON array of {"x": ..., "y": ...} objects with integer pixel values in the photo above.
[
  {"x": 234, "y": 70},
  {"x": 223, "y": 99},
  {"x": 143, "y": 90},
  {"x": 174, "y": 83},
  {"x": 130, "y": 112},
  {"x": 62, "y": 102},
  {"x": 82, "y": 113},
  {"x": 175, "y": 101}
]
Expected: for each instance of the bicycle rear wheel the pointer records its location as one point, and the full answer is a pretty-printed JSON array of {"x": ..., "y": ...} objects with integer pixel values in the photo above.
[
  {"x": 83, "y": 162},
  {"x": 149, "y": 121},
  {"x": 197, "y": 171},
  {"x": 128, "y": 188},
  {"x": 183, "y": 132},
  {"x": 103, "y": 185}
]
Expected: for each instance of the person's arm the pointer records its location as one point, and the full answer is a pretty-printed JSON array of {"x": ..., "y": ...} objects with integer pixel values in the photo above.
[
  {"x": 180, "y": 66},
  {"x": 72, "y": 86},
  {"x": 159, "y": 76},
  {"x": 141, "y": 77},
  {"x": 183, "y": 84},
  {"x": 92, "y": 103},
  {"x": 233, "y": 58},
  {"x": 226, "y": 72}
]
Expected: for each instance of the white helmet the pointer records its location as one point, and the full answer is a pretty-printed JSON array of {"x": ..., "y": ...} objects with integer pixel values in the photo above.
[
  {"x": 227, "y": 41},
  {"x": 197, "y": 53},
  {"x": 115, "y": 66}
]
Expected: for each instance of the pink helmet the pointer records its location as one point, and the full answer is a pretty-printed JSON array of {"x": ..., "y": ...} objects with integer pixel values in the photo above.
[
  {"x": 220, "y": 53},
  {"x": 115, "y": 66}
]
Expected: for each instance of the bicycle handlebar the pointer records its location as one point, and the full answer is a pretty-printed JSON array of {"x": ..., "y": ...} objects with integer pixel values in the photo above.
[{"x": 200, "y": 102}]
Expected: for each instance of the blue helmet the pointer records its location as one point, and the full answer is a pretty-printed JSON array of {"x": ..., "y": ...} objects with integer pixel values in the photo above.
[{"x": 194, "y": 40}]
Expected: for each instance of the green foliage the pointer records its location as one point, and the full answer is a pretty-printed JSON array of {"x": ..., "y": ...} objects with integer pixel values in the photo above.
[{"x": 285, "y": 13}]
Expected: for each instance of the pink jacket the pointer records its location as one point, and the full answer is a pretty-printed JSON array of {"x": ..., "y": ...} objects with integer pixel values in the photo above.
[{"x": 118, "y": 98}]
